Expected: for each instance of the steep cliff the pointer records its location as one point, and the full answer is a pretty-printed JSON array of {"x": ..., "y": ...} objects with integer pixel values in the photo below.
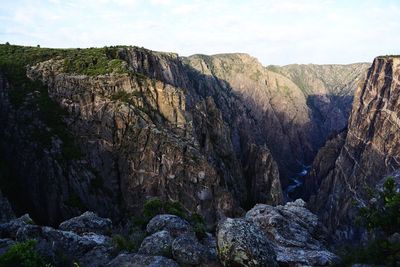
[
  {"x": 105, "y": 129},
  {"x": 369, "y": 151},
  {"x": 110, "y": 128},
  {"x": 298, "y": 106}
]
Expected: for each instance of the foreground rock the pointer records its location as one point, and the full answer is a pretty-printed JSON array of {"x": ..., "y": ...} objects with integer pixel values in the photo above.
[
  {"x": 173, "y": 224},
  {"x": 59, "y": 246},
  {"x": 242, "y": 243},
  {"x": 174, "y": 237},
  {"x": 294, "y": 232},
  {"x": 136, "y": 260},
  {"x": 10, "y": 229},
  {"x": 85, "y": 239},
  {"x": 157, "y": 244},
  {"x": 88, "y": 222}
]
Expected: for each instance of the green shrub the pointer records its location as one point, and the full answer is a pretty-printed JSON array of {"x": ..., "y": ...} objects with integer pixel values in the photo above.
[
  {"x": 152, "y": 207},
  {"x": 22, "y": 255},
  {"x": 383, "y": 216},
  {"x": 174, "y": 208},
  {"x": 384, "y": 213}
]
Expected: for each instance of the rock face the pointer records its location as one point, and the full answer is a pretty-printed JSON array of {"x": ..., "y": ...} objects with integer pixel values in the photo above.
[
  {"x": 162, "y": 129},
  {"x": 370, "y": 150},
  {"x": 295, "y": 234},
  {"x": 297, "y": 106},
  {"x": 323, "y": 164},
  {"x": 241, "y": 243}
]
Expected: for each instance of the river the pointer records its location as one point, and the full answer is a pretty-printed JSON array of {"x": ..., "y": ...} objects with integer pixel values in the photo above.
[{"x": 295, "y": 183}]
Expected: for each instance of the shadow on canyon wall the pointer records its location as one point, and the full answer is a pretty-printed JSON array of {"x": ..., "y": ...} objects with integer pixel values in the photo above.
[{"x": 32, "y": 191}]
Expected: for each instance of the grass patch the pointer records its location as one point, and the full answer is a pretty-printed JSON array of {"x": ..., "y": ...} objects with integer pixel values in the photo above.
[
  {"x": 94, "y": 61},
  {"x": 22, "y": 255}
]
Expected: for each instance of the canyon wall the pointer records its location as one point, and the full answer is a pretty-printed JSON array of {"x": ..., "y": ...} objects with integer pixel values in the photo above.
[{"x": 368, "y": 151}]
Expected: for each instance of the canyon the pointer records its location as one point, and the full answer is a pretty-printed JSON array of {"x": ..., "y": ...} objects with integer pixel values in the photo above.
[{"x": 110, "y": 129}]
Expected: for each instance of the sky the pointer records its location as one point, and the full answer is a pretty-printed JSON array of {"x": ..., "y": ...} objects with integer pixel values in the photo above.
[{"x": 274, "y": 31}]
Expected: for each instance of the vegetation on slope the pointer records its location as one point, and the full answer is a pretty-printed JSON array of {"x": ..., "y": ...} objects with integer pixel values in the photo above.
[
  {"x": 382, "y": 218},
  {"x": 13, "y": 62},
  {"x": 22, "y": 255}
]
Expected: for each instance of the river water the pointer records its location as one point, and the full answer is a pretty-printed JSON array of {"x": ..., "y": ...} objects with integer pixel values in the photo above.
[{"x": 295, "y": 183}]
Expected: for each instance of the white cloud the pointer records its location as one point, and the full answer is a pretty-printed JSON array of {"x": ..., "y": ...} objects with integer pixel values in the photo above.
[{"x": 277, "y": 32}]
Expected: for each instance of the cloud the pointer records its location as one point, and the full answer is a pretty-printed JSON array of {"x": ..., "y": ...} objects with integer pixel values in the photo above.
[{"x": 277, "y": 32}]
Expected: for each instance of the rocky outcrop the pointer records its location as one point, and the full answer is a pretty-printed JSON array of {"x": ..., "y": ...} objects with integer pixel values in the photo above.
[
  {"x": 370, "y": 150},
  {"x": 287, "y": 235},
  {"x": 58, "y": 246},
  {"x": 173, "y": 224},
  {"x": 294, "y": 232},
  {"x": 70, "y": 244},
  {"x": 174, "y": 237},
  {"x": 10, "y": 228},
  {"x": 88, "y": 222},
  {"x": 323, "y": 163},
  {"x": 241, "y": 243}
]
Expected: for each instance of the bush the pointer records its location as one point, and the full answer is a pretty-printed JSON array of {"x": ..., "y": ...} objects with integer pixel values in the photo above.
[
  {"x": 174, "y": 208},
  {"x": 152, "y": 207},
  {"x": 384, "y": 212},
  {"x": 382, "y": 216},
  {"x": 22, "y": 255}
]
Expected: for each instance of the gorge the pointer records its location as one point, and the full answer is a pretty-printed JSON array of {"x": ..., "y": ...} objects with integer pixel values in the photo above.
[{"x": 109, "y": 129}]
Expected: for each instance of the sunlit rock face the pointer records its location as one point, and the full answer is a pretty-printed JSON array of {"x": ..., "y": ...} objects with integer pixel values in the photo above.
[{"x": 161, "y": 129}]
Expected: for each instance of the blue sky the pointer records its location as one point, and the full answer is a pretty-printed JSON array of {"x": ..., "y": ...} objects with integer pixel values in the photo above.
[{"x": 275, "y": 32}]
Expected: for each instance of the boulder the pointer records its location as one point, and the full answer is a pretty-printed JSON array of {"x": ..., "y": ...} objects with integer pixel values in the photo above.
[
  {"x": 295, "y": 233},
  {"x": 87, "y": 222},
  {"x": 56, "y": 244},
  {"x": 242, "y": 243},
  {"x": 140, "y": 260},
  {"x": 186, "y": 250},
  {"x": 173, "y": 224},
  {"x": 97, "y": 257},
  {"x": 158, "y": 243},
  {"x": 10, "y": 229}
]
